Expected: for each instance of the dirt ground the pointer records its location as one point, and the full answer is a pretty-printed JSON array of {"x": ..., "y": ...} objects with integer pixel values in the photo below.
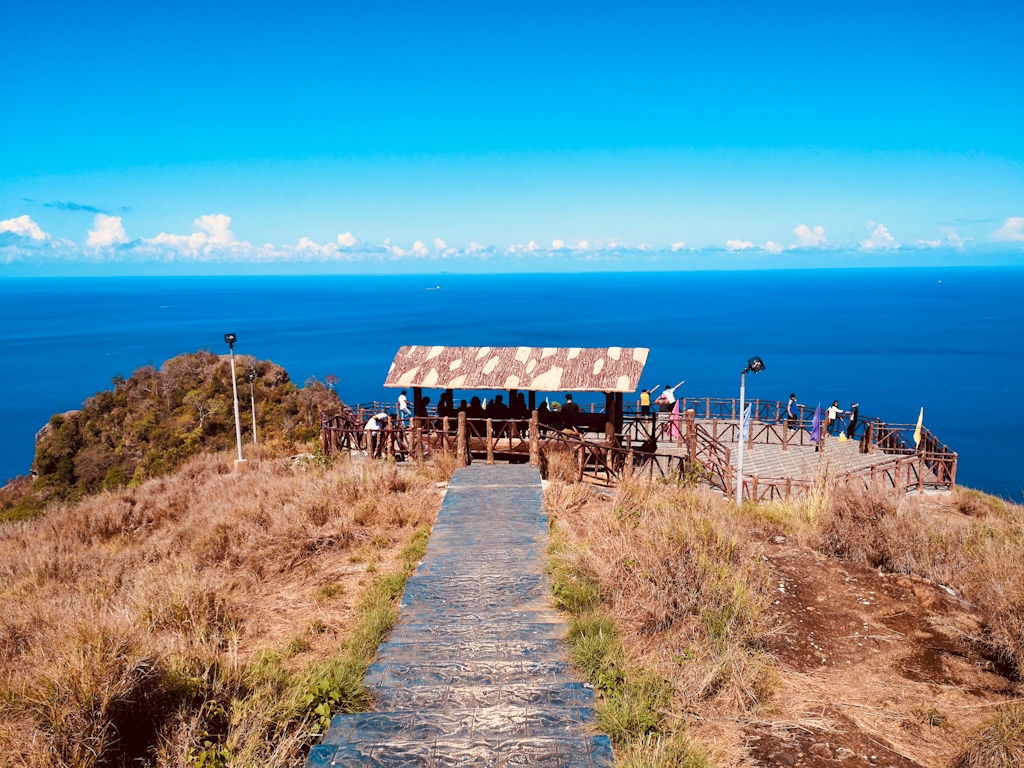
[{"x": 876, "y": 668}]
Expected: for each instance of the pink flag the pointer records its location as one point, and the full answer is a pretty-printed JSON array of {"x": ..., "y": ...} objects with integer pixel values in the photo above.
[{"x": 673, "y": 422}]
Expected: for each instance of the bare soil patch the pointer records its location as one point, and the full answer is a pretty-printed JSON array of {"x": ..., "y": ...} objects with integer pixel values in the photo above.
[{"x": 875, "y": 670}]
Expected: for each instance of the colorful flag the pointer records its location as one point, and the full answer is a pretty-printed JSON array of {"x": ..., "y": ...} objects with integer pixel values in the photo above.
[
  {"x": 816, "y": 425},
  {"x": 917, "y": 432},
  {"x": 745, "y": 424}
]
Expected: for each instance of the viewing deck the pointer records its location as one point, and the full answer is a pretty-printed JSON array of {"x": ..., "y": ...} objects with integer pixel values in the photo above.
[{"x": 698, "y": 444}]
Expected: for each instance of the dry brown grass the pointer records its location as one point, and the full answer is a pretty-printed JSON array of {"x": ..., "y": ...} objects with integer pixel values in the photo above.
[
  {"x": 180, "y": 621},
  {"x": 969, "y": 542},
  {"x": 680, "y": 577},
  {"x": 999, "y": 744}
]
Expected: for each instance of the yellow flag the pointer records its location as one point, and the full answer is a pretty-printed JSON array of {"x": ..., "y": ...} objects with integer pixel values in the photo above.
[{"x": 917, "y": 432}]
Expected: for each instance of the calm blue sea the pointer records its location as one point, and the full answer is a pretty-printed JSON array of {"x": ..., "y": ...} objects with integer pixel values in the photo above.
[{"x": 950, "y": 340}]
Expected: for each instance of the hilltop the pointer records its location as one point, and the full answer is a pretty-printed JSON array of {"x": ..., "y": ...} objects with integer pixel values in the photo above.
[{"x": 151, "y": 422}]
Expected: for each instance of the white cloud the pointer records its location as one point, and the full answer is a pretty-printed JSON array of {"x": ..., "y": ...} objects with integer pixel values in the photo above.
[
  {"x": 879, "y": 239},
  {"x": 419, "y": 248},
  {"x": 23, "y": 226},
  {"x": 213, "y": 234},
  {"x": 557, "y": 245},
  {"x": 929, "y": 243},
  {"x": 808, "y": 237},
  {"x": 738, "y": 245},
  {"x": 439, "y": 244},
  {"x": 1012, "y": 231},
  {"x": 106, "y": 231},
  {"x": 678, "y": 246},
  {"x": 582, "y": 245},
  {"x": 347, "y": 240},
  {"x": 772, "y": 247},
  {"x": 954, "y": 240}
]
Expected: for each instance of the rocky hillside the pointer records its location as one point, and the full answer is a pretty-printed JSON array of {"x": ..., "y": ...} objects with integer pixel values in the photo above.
[{"x": 148, "y": 424}]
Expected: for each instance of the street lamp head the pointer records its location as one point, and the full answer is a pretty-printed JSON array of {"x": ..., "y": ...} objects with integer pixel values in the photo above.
[
  {"x": 230, "y": 339},
  {"x": 252, "y": 377},
  {"x": 755, "y": 365}
]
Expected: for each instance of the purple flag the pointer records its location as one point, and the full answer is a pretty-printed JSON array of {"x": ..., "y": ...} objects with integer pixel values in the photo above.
[{"x": 816, "y": 425}]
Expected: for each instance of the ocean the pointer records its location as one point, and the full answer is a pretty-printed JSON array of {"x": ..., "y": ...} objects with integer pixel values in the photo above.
[{"x": 950, "y": 340}]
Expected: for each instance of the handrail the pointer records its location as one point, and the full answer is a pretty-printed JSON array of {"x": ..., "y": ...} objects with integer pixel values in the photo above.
[{"x": 930, "y": 464}]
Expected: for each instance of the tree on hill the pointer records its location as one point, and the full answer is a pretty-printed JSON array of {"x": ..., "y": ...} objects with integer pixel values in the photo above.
[{"x": 149, "y": 423}]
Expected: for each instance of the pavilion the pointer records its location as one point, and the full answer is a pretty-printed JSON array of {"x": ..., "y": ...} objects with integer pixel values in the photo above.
[{"x": 611, "y": 370}]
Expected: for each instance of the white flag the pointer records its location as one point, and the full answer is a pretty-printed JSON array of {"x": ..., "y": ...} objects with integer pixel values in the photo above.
[{"x": 745, "y": 424}]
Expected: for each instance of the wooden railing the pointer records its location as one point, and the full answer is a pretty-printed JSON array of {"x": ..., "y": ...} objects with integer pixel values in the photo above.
[{"x": 703, "y": 446}]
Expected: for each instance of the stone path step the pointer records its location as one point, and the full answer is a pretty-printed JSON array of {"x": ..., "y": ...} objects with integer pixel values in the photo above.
[{"x": 476, "y": 673}]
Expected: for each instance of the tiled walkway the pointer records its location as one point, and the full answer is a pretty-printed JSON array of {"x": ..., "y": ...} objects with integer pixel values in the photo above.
[{"x": 476, "y": 673}]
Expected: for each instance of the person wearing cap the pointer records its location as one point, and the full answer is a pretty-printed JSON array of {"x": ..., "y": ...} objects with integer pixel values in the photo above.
[{"x": 853, "y": 420}]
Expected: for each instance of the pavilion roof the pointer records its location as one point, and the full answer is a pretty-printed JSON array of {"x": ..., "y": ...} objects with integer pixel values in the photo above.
[{"x": 541, "y": 369}]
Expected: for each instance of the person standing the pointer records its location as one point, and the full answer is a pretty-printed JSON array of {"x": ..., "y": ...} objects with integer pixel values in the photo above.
[
  {"x": 791, "y": 411},
  {"x": 667, "y": 398},
  {"x": 832, "y": 418},
  {"x": 853, "y": 420},
  {"x": 403, "y": 407},
  {"x": 645, "y": 402}
]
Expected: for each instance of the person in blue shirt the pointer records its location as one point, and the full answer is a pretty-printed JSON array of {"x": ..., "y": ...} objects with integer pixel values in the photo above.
[{"x": 791, "y": 412}]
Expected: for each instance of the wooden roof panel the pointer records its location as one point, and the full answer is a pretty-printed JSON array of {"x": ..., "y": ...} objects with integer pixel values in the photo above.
[{"x": 542, "y": 369}]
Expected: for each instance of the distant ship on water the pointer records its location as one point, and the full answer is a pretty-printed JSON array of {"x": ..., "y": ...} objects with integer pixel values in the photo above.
[{"x": 435, "y": 288}]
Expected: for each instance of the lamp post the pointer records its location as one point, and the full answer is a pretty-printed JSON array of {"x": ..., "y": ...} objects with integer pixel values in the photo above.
[
  {"x": 230, "y": 338},
  {"x": 252, "y": 395},
  {"x": 754, "y": 365}
]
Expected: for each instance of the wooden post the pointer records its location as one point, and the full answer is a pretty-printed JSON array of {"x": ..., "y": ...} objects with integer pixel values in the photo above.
[
  {"x": 618, "y": 412},
  {"x": 445, "y": 426},
  {"x": 691, "y": 435},
  {"x": 462, "y": 442},
  {"x": 410, "y": 434},
  {"x": 532, "y": 404},
  {"x": 789, "y": 487},
  {"x": 750, "y": 434},
  {"x": 785, "y": 436},
  {"x": 490, "y": 442},
  {"x": 417, "y": 397},
  {"x": 920, "y": 474},
  {"x": 534, "y": 437},
  {"x": 609, "y": 416},
  {"x": 583, "y": 461},
  {"x": 753, "y": 491}
]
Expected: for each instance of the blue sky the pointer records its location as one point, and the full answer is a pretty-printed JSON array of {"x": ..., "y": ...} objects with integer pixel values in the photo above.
[{"x": 412, "y": 137}]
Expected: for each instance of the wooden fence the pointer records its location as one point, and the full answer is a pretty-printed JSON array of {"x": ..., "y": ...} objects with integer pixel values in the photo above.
[{"x": 702, "y": 440}]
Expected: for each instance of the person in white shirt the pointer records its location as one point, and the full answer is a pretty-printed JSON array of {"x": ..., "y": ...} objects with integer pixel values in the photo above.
[
  {"x": 403, "y": 406},
  {"x": 667, "y": 398},
  {"x": 832, "y": 418},
  {"x": 374, "y": 425}
]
